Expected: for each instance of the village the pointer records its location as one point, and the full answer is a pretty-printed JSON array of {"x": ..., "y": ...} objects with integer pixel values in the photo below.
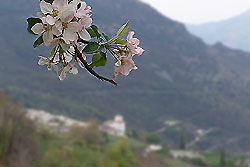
[{"x": 116, "y": 127}]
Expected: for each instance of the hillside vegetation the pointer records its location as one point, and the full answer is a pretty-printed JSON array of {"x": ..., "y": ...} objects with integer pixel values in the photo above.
[{"x": 26, "y": 144}]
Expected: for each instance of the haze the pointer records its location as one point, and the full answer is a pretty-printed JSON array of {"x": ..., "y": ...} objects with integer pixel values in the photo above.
[{"x": 197, "y": 11}]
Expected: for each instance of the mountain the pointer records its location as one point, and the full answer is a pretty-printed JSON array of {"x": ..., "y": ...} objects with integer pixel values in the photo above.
[
  {"x": 179, "y": 77},
  {"x": 233, "y": 32}
]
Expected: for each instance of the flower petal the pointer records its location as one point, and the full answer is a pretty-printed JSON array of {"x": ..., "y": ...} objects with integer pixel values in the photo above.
[
  {"x": 55, "y": 31},
  {"x": 134, "y": 41},
  {"x": 130, "y": 35},
  {"x": 86, "y": 22},
  {"x": 46, "y": 7},
  {"x": 73, "y": 70},
  {"x": 50, "y": 20},
  {"x": 38, "y": 28},
  {"x": 73, "y": 4},
  {"x": 56, "y": 58},
  {"x": 47, "y": 38},
  {"x": 68, "y": 57},
  {"x": 74, "y": 26},
  {"x": 65, "y": 46},
  {"x": 59, "y": 4},
  {"x": 66, "y": 15},
  {"x": 139, "y": 51},
  {"x": 62, "y": 75},
  {"x": 84, "y": 35},
  {"x": 69, "y": 35},
  {"x": 43, "y": 61},
  {"x": 54, "y": 43},
  {"x": 40, "y": 15},
  {"x": 55, "y": 67},
  {"x": 81, "y": 47}
]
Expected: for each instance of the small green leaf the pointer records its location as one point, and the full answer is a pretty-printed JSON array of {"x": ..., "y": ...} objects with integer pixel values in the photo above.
[
  {"x": 102, "y": 47},
  {"x": 31, "y": 22},
  {"x": 121, "y": 41},
  {"x": 38, "y": 42},
  {"x": 91, "y": 32},
  {"x": 99, "y": 60},
  {"x": 91, "y": 48},
  {"x": 121, "y": 31},
  {"x": 106, "y": 37},
  {"x": 95, "y": 29},
  {"x": 49, "y": 1},
  {"x": 53, "y": 51}
]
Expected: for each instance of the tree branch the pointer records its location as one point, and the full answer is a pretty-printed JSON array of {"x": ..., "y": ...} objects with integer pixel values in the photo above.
[
  {"x": 82, "y": 41},
  {"x": 90, "y": 69}
]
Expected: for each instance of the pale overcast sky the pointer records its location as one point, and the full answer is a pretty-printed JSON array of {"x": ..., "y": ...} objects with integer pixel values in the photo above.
[{"x": 200, "y": 11}]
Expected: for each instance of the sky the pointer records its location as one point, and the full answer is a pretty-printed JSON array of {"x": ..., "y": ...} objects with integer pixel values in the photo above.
[{"x": 200, "y": 11}]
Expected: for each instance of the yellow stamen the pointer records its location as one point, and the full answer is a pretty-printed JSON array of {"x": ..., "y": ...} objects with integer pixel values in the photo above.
[
  {"x": 46, "y": 27},
  {"x": 65, "y": 25},
  {"x": 123, "y": 62},
  {"x": 55, "y": 13}
]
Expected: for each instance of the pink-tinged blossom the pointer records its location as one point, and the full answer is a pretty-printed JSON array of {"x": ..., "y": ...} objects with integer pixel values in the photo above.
[
  {"x": 70, "y": 31},
  {"x": 46, "y": 30},
  {"x": 69, "y": 68},
  {"x": 48, "y": 62},
  {"x": 58, "y": 41},
  {"x": 123, "y": 66},
  {"x": 85, "y": 23},
  {"x": 58, "y": 9},
  {"x": 133, "y": 44},
  {"x": 84, "y": 11},
  {"x": 50, "y": 15}
]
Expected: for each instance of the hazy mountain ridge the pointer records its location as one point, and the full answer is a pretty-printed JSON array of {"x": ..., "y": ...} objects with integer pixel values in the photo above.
[
  {"x": 178, "y": 76},
  {"x": 233, "y": 32}
]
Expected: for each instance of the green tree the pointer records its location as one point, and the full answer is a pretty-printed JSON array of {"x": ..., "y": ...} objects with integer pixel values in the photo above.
[
  {"x": 222, "y": 162},
  {"x": 153, "y": 138},
  {"x": 182, "y": 141},
  {"x": 119, "y": 156},
  {"x": 89, "y": 134},
  {"x": 17, "y": 144}
]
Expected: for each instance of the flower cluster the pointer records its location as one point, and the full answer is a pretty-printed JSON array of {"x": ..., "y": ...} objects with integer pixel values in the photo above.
[
  {"x": 124, "y": 54},
  {"x": 66, "y": 27},
  {"x": 62, "y": 24}
]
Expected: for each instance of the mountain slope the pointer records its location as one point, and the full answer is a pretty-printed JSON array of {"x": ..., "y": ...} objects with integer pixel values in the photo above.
[
  {"x": 179, "y": 77},
  {"x": 233, "y": 32}
]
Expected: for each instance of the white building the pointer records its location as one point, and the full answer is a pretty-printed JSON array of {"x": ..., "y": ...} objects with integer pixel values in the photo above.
[
  {"x": 54, "y": 122},
  {"x": 152, "y": 148},
  {"x": 116, "y": 127},
  {"x": 185, "y": 154}
]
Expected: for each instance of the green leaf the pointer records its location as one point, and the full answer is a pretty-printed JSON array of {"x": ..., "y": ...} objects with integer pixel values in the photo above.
[
  {"x": 92, "y": 33},
  {"x": 121, "y": 31},
  {"x": 121, "y": 41},
  {"x": 49, "y": 1},
  {"x": 91, "y": 48},
  {"x": 95, "y": 29},
  {"x": 31, "y": 22},
  {"x": 106, "y": 37},
  {"x": 99, "y": 60},
  {"x": 53, "y": 51},
  {"x": 38, "y": 42}
]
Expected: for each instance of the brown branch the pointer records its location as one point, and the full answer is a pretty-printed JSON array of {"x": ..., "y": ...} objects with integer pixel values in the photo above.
[
  {"x": 90, "y": 69},
  {"x": 82, "y": 41}
]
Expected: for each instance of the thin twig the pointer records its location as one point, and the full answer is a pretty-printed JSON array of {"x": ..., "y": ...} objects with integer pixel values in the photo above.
[
  {"x": 83, "y": 41},
  {"x": 90, "y": 69}
]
